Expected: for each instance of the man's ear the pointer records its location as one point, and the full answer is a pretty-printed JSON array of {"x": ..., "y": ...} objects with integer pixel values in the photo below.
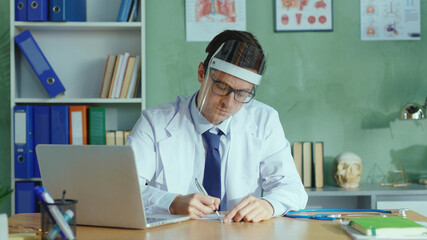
[{"x": 201, "y": 72}]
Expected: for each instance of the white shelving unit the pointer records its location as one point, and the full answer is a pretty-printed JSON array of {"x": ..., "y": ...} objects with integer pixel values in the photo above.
[
  {"x": 413, "y": 197},
  {"x": 77, "y": 52}
]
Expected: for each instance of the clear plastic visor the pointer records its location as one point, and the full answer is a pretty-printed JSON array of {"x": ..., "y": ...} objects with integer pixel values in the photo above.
[{"x": 230, "y": 80}]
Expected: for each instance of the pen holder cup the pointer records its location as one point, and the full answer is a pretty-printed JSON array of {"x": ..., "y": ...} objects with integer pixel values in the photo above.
[{"x": 66, "y": 208}]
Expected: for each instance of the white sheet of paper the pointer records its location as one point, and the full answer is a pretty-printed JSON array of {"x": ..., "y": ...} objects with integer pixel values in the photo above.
[{"x": 212, "y": 217}]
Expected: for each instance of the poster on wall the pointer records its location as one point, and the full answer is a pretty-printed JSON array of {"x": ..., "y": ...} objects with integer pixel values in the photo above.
[
  {"x": 206, "y": 18},
  {"x": 302, "y": 15},
  {"x": 390, "y": 20}
]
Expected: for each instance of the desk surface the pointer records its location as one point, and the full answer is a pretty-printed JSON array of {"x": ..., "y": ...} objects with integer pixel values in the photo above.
[{"x": 276, "y": 228}]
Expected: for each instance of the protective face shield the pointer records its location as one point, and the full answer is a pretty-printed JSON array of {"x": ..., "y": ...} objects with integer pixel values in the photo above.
[{"x": 230, "y": 80}]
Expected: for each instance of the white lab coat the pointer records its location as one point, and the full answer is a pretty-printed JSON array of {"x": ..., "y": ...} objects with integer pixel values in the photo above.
[{"x": 166, "y": 146}]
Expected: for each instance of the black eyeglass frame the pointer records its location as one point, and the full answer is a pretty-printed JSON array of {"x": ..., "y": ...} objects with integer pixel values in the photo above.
[{"x": 249, "y": 98}]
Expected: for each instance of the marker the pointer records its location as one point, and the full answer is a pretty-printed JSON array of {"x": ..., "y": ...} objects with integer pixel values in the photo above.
[
  {"x": 202, "y": 190},
  {"x": 54, "y": 212},
  {"x": 68, "y": 215}
]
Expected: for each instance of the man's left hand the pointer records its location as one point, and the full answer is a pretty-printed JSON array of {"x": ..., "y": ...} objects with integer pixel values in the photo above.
[{"x": 250, "y": 209}]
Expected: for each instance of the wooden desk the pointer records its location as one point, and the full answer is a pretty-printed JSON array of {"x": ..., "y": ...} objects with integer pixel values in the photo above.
[{"x": 276, "y": 228}]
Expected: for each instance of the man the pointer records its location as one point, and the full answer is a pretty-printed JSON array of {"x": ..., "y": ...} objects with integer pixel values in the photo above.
[{"x": 220, "y": 136}]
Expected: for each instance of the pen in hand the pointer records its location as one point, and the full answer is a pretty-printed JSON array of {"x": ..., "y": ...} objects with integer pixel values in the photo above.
[{"x": 203, "y": 191}]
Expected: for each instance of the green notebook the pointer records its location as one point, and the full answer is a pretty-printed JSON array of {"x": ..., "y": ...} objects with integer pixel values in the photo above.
[
  {"x": 96, "y": 126},
  {"x": 387, "y": 226}
]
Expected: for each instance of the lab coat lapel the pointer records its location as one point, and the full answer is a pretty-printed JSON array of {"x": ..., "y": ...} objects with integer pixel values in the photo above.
[{"x": 176, "y": 154}]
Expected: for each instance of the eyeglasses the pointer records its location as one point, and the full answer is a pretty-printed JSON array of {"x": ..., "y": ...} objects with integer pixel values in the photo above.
[{"x": 223, "y": 89}]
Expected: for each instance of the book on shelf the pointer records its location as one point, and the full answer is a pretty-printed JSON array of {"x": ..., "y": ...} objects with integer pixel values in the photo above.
[
  {"x": 124, "y": 11},
  {"x": 307, "y": 164},
  {"x": 136, "y": 77},
  {"x": 120, "y": 138},
  {"x": 108, "y": 75},
  {"x": 117, "y": 137},
  {"x": 297, "y": 154},
  {"x": 127, "y": 77},
  {"x": 128, "y": 11},
  {"x": 133, "y": 15},
  {"x": 110, "y": 137},
  {"x": 126, "y": 134},
  {"x": 115, "y": 76},
  {"x": 122, "y": 76},
  {"x": 318, "y": 164},
  {"x": 387, "y": 226}
]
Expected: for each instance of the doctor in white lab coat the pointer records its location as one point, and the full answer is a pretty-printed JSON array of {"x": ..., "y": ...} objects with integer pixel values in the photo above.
[{"x": 259, "y": 179}]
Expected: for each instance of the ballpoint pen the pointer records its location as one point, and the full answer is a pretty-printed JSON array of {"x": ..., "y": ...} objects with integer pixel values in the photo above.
[{"x": 202, "y": 190}]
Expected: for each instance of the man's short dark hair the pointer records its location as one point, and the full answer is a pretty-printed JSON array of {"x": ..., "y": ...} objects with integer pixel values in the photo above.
[{"x": 238, "y": 36}]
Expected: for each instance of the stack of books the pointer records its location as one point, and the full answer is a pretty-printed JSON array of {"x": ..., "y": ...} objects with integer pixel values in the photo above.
[
  {"x": 308, "y": 157},
  {"x": 122, "y": 76},
  {"x": 128, "y": 11},
  {"x": 117, "y": 137}
]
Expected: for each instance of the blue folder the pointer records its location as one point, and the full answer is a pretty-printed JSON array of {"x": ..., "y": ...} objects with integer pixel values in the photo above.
[
  {"x": 59, "y": 125},
  {"x": 39, "y": 63},
  {"x": 37, "y": 10},
  {"x": 124, "y": 11},
  {"x": 41, "y": 131},
  {"x": 25, "y": 198},
  {"x": 23, "y": 141},
  {"x": 21, "y": 10},
  {"x": 67, "y": 10}
]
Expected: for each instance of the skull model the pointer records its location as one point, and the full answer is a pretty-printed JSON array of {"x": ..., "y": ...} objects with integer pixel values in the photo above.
[{"x": 348, "y": 170}]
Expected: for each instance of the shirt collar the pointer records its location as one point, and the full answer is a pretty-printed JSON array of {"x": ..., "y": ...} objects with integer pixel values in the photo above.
[{"x": 202, "y": 124}]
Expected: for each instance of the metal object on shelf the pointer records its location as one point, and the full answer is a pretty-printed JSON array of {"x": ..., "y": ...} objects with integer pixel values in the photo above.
[
  {"x": 413, "y": 111},
  {"x": 396, "y": 177}
]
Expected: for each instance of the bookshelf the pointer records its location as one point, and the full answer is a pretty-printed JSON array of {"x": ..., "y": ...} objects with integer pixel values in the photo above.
[
  {"x": 77, "y": 52},
  {"x": 413, "y": 197}
]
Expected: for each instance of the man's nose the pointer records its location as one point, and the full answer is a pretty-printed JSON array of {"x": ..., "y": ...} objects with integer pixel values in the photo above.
[{"x": 228, "y": 99}]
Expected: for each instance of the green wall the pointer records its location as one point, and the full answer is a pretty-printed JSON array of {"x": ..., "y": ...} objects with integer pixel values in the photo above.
[{"x": 327, "y": 86}]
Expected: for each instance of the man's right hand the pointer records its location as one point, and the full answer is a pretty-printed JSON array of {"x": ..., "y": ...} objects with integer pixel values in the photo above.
[{"x": 196, "y": 205}]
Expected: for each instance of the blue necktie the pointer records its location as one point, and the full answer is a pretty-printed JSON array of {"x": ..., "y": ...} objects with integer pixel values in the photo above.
[{"x": 212, "y": 174}]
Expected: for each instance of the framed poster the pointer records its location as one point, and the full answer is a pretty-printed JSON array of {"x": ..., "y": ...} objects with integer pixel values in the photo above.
[
  {"x": 206, "y": 18},
  {"x": 302, "y": 15},
  {"x": 383, "y": 20}
]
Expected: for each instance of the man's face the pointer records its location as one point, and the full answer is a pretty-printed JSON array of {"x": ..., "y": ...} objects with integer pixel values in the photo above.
[{"x": 218, "y": 108}]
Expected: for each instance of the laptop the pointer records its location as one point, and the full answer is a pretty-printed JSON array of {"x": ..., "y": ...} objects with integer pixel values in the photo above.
[{"x": 104, "y": 181}]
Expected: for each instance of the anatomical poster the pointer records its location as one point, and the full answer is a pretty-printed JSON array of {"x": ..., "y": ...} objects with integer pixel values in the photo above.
[
  {"x": 390, "y": 20},
  {"x": 206, "y": 18},
  {"x": 302, "y": 15}
]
